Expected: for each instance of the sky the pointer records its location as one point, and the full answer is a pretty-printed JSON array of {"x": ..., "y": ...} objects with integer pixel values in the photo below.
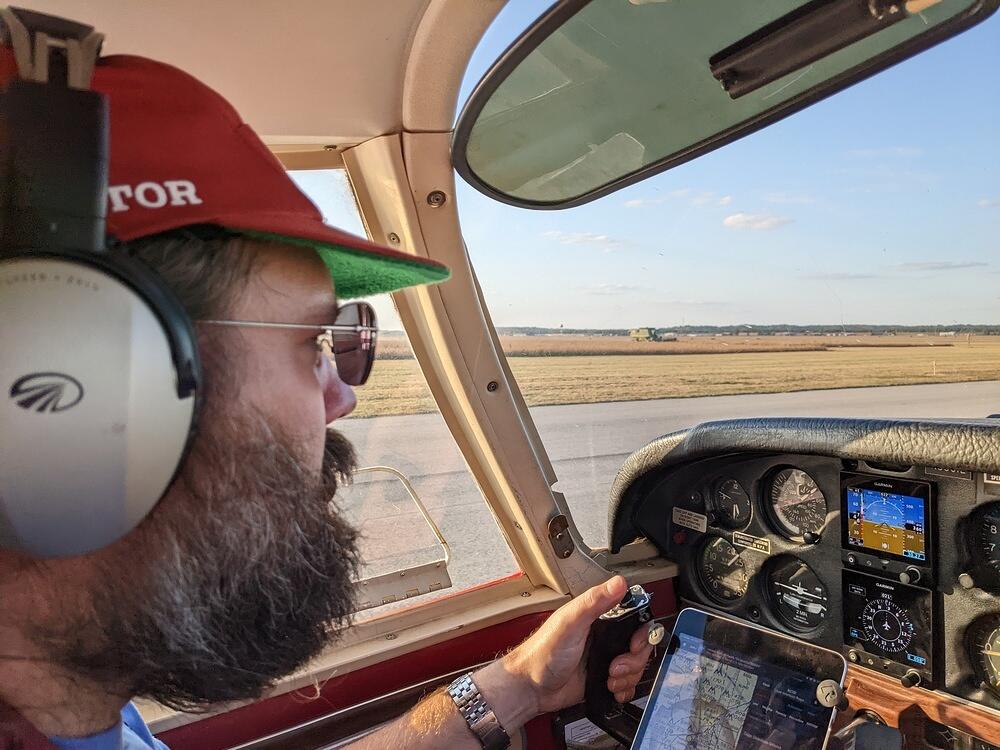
[{"x": 879, "y": 205}]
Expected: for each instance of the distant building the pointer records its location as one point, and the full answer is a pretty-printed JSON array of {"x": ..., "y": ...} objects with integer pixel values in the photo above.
[{"x": 948, "y": 333}]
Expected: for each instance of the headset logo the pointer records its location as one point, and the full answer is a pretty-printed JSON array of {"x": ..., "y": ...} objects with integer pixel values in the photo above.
[{"x": 46, "y": 392}]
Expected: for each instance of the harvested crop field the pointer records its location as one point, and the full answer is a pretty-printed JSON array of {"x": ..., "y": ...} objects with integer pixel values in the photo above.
[
  {"x": 395, "y": 347},
  {"x": 572, "y": 370}
]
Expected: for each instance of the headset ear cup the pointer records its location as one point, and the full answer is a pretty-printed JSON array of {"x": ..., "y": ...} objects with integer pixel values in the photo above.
[{"x": 93, "y": 429}]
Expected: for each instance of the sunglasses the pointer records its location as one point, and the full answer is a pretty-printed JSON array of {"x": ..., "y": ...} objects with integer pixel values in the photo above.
[{"x": 349, "y": 340}]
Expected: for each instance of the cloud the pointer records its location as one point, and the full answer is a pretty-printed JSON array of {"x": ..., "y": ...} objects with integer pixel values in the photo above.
[
  {"x": 789, "y": 199},
  {"x": 583, "y": 238},
  {"x": 886, "y": 178},
  {"x": 613, "y": 289},
  {"x": 989, "y": 203},
  {"x": 755, "y": 222},
  {"x": 841, "y": 276},
  {"x": 892, "y": 152},
  {"x": 938, "y": 265},
  {"x": 698, "y": 198},
  {"x": 658, "y": 200},
  {"x": 698, "y": 303},
  {"x": 639, "y": 202}
]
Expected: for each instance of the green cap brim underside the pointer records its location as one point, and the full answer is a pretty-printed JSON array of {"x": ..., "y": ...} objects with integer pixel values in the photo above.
[{"x": 357, "y": 273}]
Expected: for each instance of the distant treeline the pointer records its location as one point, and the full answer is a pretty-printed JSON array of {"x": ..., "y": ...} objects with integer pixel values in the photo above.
[{"x": 762, "y": 330}]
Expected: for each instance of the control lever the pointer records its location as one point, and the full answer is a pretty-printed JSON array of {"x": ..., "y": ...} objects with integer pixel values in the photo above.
[
  {"x": 609, "y": 637},
  {"x": 866, "y": 731},
  {"x": 870, "y": 736}
]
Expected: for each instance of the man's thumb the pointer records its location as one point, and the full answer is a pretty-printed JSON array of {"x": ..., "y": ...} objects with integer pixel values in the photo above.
[{"x": 594, "y": 602}]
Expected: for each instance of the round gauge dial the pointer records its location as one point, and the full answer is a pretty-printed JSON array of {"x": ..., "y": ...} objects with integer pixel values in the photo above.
[
  {"x": 982, "y": 640},
  {"x": 731, "y": 504},
  {"x": 985, "y": 546},
  {"x": 887, "y": 625},
  {"x": 721, "y": 571},
  {"x": 797, "y": 505},
  {"x": 797, "y": 595}
]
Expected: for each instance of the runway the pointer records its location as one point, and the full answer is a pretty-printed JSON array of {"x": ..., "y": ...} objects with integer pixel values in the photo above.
[{"x": 586, "y": 443}]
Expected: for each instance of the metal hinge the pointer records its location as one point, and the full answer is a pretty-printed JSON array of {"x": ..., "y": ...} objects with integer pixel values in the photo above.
[{"x": 559, "y": 536}]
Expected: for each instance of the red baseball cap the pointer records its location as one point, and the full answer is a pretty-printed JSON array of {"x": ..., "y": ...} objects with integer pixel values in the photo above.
[{"x": 181, "y": 155}]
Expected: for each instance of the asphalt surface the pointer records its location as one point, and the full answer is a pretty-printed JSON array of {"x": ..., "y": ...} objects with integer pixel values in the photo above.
[{"x": 586, "y": 443}]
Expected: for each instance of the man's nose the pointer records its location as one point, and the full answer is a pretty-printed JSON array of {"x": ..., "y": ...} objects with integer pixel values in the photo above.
[{"x": 338, "y": 397}]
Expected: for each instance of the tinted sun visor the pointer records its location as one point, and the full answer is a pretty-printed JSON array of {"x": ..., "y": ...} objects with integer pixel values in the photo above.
[{"x": 599, "y": 94}]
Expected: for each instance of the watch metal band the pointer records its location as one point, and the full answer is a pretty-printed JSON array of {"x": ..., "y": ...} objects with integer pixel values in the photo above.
[{"x": 478, "y": 714}]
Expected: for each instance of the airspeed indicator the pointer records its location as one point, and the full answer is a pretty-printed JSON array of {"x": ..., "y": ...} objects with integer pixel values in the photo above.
[{"x": 797, "y": 505}]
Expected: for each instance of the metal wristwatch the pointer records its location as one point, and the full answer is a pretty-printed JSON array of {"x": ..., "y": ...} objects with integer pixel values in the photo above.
[{"x": 478, "y": 714}]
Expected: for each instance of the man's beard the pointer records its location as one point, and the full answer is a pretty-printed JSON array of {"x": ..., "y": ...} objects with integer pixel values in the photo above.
[{"x": 238, "y": 578}]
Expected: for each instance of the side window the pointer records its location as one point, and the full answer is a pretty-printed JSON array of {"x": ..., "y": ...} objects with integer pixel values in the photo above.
[{"x": 404, "y": 450}]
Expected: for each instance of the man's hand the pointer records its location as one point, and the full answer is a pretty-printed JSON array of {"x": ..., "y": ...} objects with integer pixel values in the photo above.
[
  {"x": 545, "y": 673},
  {"x": 551, "y": 662}
]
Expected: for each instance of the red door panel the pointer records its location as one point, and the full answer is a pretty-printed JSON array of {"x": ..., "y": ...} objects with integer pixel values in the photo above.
[{"x": 281, "y": 712}]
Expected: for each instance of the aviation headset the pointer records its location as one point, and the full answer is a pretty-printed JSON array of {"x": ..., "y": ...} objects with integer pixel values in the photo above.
[{"x": 98, "y": 363}]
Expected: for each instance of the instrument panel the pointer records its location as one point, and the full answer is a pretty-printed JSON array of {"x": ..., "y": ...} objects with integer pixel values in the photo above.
[{"x": 897, "y": 567}]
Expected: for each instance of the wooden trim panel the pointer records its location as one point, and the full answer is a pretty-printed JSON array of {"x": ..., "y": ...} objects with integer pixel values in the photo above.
[{"x": 904, "y": 708}]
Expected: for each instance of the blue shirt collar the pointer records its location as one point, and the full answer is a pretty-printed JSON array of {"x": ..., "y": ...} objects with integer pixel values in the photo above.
[{"x": 109, "y": 739}]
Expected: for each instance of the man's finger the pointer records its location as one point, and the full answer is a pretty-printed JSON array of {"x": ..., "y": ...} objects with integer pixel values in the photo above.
[
  {"x": 625, "y": 697},
  {"x": 591, "y": 604},
  {"x": 628, "y": 664},
  {"x": 618, "y": 684},
  {"x": 640, "y": 639}
]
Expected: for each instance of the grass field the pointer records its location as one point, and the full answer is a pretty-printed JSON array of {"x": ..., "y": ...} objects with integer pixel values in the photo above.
[
  {"x": 394, "y": 346},
  {"x": 573, "y": 370}
]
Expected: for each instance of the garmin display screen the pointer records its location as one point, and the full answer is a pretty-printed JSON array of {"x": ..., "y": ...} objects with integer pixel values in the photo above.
[
  {"x": 886, "y": 523},
  {"x": 887, "y": 517},
  {"x": 888, "y": 619}
]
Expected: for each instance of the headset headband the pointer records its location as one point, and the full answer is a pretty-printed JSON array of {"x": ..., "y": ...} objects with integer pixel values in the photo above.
[{"x": 54, "y": 156}]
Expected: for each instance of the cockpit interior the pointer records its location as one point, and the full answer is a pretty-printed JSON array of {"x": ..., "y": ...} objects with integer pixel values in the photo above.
[{"x": 699, "y": 380}]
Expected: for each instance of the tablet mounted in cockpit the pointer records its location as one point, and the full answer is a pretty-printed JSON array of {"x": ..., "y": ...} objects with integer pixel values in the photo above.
[{"x": 727, "y": 685}]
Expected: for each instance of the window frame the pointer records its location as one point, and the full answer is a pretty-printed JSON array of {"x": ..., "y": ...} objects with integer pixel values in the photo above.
[{"x": 455, "y": 344}]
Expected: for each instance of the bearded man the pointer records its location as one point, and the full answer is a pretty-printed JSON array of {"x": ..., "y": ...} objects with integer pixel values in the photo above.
[{"x": 242, "y": 572}]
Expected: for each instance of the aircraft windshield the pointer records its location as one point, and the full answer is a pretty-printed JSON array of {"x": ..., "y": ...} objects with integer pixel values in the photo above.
[
  {"x": 621, "y": 85},
  {"x": 842, "y": 262}
]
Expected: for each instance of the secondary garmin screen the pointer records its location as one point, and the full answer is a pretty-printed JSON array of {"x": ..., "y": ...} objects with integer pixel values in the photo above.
[
  {"x": 887, "y": 619},
  {"x": 729, "y": 693},
  {"x": 886, "y": 523}
]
